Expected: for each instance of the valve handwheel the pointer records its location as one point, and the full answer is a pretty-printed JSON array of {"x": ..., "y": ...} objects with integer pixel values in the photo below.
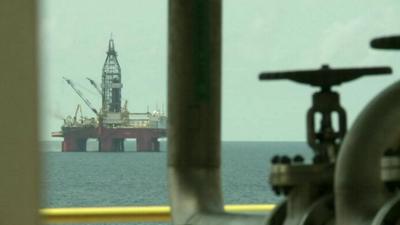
[
  {"x": 386, "y": 43},
  {"x": 325, "y": 76},
  {"x": 326, "y": 141}
]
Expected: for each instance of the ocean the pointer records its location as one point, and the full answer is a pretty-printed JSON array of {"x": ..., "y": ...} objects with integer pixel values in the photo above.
[{"x": 85, "y": 179}]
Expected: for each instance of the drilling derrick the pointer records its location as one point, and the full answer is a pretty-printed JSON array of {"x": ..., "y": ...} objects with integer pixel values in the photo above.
[
  {"x": 114, "y": 123},
  {"x": 111, "y": 81}
]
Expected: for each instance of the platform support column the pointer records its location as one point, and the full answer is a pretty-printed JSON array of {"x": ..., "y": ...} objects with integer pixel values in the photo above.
[
  {"x": 72, "y": 144},
  {"x": 144, "y": 144},
  {"x": 155, "y": 145},
  {"x": 111, "y": 145},
  {"x": 118, "y": 145},
  {"x": 105, "y": 145}
]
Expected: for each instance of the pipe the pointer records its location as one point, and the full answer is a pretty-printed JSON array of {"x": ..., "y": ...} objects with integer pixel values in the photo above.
[
  {"x": 194, "y": 108},
  {"x": 359, "y": 189},
  {"x": 128, "y": 214}
]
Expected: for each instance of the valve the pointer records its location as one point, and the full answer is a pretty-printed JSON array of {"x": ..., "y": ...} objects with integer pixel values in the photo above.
[
  {"x": 325, "y": 141},
  {"x": 309, "y": 187}
]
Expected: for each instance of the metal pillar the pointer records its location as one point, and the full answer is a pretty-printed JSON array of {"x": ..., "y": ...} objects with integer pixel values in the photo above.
[
  {"x": 194, "y": 86},
  {"x": 19, "y": 159}
]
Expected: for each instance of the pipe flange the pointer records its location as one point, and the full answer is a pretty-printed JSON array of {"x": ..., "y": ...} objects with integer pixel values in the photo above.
[
  {"x": 390, "y": 170},
  {"x": 287, "y": 173}
]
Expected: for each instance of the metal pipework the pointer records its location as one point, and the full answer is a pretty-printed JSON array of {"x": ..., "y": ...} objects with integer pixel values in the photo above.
[
  {"x": 359, "y": 189},
  {"x": 194, "y": 102},
  {"x": 325, "y": 141}
]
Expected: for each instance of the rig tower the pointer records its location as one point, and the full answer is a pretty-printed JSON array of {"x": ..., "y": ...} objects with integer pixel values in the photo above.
[
  {"x": 111, "y": 81},
  {"x": 113, "y": 123}
]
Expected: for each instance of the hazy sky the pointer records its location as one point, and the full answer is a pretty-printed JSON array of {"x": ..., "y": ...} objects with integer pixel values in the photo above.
[{"x": 258, "y": 35}]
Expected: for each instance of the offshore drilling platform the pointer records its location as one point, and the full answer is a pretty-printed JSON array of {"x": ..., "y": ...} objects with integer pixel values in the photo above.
[{"x": 113, "y": 123}]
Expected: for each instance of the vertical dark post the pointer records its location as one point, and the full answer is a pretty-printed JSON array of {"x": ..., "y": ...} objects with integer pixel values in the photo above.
[
  {"x": 194, "y": 115},
  {"x": 194, "y": 86},
  {"x": 194, "y": 81},
  {"x": 20, "y": 184}
]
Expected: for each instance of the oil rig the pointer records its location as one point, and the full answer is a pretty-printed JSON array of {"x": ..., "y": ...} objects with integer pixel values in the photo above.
[{"x": 113, "y": 123}]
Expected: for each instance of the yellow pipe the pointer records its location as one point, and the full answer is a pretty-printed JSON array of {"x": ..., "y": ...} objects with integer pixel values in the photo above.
[{"x": 129, "y": 214}]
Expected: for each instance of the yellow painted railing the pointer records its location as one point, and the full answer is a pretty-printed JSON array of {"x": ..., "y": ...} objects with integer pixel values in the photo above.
[{"x": 129, "y": 214}]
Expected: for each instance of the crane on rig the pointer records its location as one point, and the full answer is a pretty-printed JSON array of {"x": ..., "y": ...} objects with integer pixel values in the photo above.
[
  {"x": 87, "y": 102},
  {"x": 93, "y": 83},
  {"x": 78, "y": 111}
]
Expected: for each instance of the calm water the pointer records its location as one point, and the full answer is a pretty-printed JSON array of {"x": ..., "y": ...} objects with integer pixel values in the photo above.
[{"x": 136, "y": 178}]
